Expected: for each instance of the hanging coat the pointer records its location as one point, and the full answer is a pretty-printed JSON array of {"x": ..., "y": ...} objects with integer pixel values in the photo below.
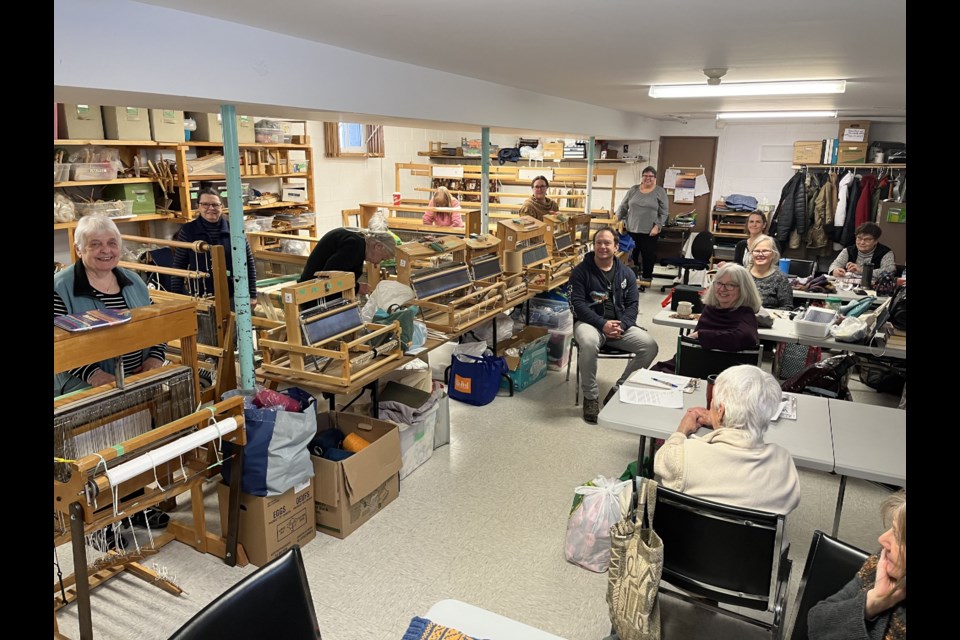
[
  {"x": 850, "y": 221},
  {"x": 864, "y": 212},
  {"x": 840, "y": 212},
  {"x": 791, "y": 212},
  {"x": 817, "y": 237}
]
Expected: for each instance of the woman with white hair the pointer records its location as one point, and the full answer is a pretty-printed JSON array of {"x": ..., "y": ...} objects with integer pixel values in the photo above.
[
  {"x": 731, "y": 464},
  {"x": 96, "y": 282},
  {"x": 729, "y": 321}
]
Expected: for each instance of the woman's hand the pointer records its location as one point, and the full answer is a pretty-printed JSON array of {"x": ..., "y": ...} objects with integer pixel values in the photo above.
[
  {"x": 100, "y": 377},
  {"x": 364, "y": 289},
  {"x": 689, "y": 423},
  {"x": 885, "y": 593},
  {"x": 839, "y": 273},
  {"x": 655, "y": 231},
  {"x": 150, "y": 364},
  {"x": 853, "y": 267}
]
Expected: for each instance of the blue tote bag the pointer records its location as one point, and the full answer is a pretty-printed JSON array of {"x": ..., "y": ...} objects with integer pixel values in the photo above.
[{"x": 475, "y": 380}]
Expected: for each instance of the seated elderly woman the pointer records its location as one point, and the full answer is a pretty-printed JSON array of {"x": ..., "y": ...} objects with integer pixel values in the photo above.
[
  {"x": 96, "y": 282},
  {"x": 773, "y": 284},
  {"x": 729, "y": 321},
  {"x": 731, "y": 464},
  {"x": 866, "y": 249},
  {"x": 874, "y": 603}
]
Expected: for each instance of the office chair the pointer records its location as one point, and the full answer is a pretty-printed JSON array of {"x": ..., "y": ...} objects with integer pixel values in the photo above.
[
  {"x": 273, "y": 601},
  {"x": 701, "y": 248},
  {"x": 606, "y": 352},
  {"x": 162, "y": 257},
  {"x": 695, "y": 361},
  {"x": 830, "y": 565},
  {"x": 822, "y": 264},
  {"x": 724, "y": 554},
  {"x": 801, "y": 268}
]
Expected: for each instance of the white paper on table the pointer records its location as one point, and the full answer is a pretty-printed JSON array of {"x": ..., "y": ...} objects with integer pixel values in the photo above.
[
  {"x": 701, "y": 187},
  {"x": 668, "y": 398},
  {"x": 670, "y": 178},
  {"x": 787, "y": 408},
  {"x": 658, "y": 379}
]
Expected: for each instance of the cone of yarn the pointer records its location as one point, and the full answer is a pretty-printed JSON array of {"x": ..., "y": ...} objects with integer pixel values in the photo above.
[{"x": 355, "y": 443}]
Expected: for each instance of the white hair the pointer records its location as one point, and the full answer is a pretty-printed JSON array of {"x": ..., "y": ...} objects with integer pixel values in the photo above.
[
  {"x": 749, "y": 397},
  {"x": 749, "y": 295},
  {"x": 95, "y": 225}
]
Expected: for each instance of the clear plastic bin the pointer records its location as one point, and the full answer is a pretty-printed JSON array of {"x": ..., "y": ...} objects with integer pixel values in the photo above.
[
  {"x": 269, "y": 136},
  {"x": 61, "y": 171},
  {"x": 112, "y": 208},
  {"x": 93, "y": 171}
]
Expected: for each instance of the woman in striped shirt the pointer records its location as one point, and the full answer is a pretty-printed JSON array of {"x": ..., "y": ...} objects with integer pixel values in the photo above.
[{"x": 96, "y": 282}]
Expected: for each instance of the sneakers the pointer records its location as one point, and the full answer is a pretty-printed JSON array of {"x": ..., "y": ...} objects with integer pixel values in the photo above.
[
  {"x": 591, "y": 408},
  {"x": 643, "y": 282},
  {"x": 611, "y": 394}
]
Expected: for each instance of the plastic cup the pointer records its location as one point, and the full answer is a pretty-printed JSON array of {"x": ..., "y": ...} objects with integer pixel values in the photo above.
[
  {"x": 396, "y": 197},
  {"x": 785, "y": 265}
]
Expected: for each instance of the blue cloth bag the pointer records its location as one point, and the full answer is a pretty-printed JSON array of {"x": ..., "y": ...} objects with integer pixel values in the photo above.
[
  {"x": 475, "y": 380},
  {"x": 276, "y": 458}
]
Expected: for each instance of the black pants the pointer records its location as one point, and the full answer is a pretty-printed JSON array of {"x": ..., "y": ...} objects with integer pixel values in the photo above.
[{"x": 645, "y": 249}]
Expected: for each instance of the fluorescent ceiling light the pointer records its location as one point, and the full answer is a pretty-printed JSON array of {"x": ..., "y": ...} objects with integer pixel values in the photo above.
[
  {"x": 741, "y": 115},
  {"x": 748, "y": 89}
]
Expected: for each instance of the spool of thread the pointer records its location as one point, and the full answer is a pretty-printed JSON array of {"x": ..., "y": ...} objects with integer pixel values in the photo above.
[
  {"x": 355, "y": 443},
  {"x": 336, "y": 455},
  {"x": 325, "y": 440},
  {"x": 513, "y": 261}
]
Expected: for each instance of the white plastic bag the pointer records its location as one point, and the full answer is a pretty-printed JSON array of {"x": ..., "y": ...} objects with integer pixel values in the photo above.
[
  {"x": 605, "y": 502},
  {"x": 504, "y": 329},
  {"x": 476, "y": 349},
  {"x": 387, "y": 294},
  {"x": 852, "y": 329}
]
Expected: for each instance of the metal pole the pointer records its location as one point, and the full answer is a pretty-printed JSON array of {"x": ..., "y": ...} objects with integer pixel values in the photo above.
[
  {"x": 238, "y": 243},
  {"x": 588, "y": 206},
  {"x": 485, "y": 178}
]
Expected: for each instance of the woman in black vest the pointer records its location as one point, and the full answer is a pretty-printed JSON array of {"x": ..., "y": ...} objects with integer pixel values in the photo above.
[{"x": 867, "y": 249}]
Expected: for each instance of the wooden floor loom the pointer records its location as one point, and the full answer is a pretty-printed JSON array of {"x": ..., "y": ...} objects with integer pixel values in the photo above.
[
  {"x": 486, "y": 267},
  {"x": 443, "y": 287},
  {"x": 525, "y": 252},
  {"x": 130, "y": 445},
  {"x": 322, "y": 338},
  {"x": 216, "y": 323}
]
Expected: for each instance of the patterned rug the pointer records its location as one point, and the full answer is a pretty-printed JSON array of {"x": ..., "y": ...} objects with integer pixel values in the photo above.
[{"x": 423, "y": 629}]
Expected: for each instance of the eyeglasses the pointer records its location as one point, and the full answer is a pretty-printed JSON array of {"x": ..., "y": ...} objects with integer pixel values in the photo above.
[
  {"x": 649, "y": 175},
  {"x": 866, "y": 239},
  {"x": 762, "y": 252},
  {"x": 211, "y": 205},
  {"x": 540, "y": 186},
  {"x": 726, "y": 286}
]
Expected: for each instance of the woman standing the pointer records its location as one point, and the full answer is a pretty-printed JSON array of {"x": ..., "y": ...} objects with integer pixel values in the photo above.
[
  {"x": 644, "y": 209},
  {"x": 773, "y": 284},
  {"x": 539, "y": 204}
]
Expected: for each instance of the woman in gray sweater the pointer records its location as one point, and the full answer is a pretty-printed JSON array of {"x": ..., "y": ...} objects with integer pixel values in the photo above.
[
  {"x": 773, "y": 284},
  {"x": 872, "y": 606},
  {"x": 644, "y": 209}
]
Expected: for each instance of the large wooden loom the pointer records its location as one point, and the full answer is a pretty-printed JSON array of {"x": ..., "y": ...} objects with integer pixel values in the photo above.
[
  {"x": 216, "y": 321},
  {"x": 525, "y": 251},
  {"x": 449, "y": 300},
  {"x": 78, "y": 483},
  {"x": 486, "y": 267},
  {"x": 322, "y": 338}
]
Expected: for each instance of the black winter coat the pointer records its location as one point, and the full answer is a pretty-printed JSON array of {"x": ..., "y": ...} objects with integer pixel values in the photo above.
[{"x": 792, "y": 211}]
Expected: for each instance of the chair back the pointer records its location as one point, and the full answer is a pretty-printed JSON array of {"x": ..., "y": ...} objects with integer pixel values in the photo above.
[
  {"x": 695, "y": 361},
  {"x": 721, "y": 552},
  {"x": 831, "y": 564},
  {"x": 822, "y": 264},
  {"x": 162, "y": 257},
  {"x": 801, "y": 268},
  {"x": 702, "y": 246},
  {"x": 272, "y": 602},
  {"x": 685, "y": 618}
]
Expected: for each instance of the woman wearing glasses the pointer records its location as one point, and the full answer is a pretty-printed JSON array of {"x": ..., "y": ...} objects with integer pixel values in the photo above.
[
  {"x": 539, "y": 204},
  {"x": 773, "y": 284},
  {"x": 644, "y": 210},
  {"x": 210, "y": 227},
  {"x": 756, "y": 226},
  {"x": 729, "y": 321}
]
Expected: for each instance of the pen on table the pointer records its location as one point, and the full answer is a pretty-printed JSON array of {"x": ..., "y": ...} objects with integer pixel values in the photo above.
[{"x": 675, "y": 386}]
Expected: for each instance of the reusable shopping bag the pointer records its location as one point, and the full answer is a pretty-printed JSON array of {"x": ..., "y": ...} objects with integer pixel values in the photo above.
[{"x": 597, "y": 506}]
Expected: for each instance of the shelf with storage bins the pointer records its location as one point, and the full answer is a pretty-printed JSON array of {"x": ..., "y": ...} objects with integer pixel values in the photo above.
[
  {"x": 138, "y": 157},
  {"x": 258, "y": 162},
  {"x": 729, "y": 224}
]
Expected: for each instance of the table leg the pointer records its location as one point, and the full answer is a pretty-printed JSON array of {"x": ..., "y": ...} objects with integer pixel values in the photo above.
[
  {"x": 640, "y": 452},
  {"x": 374, "y": 397},
  {"x": 494, "y": 334},
  {"x": 836, "y": 517}
]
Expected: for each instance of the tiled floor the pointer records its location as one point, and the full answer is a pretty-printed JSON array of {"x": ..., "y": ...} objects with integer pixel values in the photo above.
[{"x": 483, "y": 521}]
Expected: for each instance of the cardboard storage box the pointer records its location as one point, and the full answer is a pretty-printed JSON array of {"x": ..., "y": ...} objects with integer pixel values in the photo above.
[
  {"x": 141, "y": 195},
  {"x": 293, "y": 194},
  {"x": 126, "y": 123},
  {"x": 80, "y": 121},
  {"x": 808, "y": 152},
  {"x": 854, "y": 131},
  {"x": 270, "y": 525},
  {"x": 552, "y": 150},
  {"x": 166, "y": 125},
  {"x": 209, "y": 128},
  {"x": 351, "y": 491},
  {"x": 531, "y": 365},
  {"x": 852, "y": 153}
]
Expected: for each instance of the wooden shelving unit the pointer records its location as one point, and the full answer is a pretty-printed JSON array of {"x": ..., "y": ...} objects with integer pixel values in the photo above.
[
  {"x": 728, "y": 224},
  {"x": 862, "y": 165}
]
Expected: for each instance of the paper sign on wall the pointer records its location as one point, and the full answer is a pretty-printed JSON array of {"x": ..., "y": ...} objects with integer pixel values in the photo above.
[
  {"x": 446, "y": 172},
  {"x": 530, "y": 174}
]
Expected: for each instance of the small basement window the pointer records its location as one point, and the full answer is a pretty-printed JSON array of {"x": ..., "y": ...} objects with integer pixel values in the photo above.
[{"x": 352, "y": 140}]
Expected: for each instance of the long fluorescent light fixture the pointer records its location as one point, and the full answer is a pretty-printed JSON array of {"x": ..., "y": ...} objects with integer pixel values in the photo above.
[
  {"x": 743, "y": 115},
  {"x": 748, "y": 89}
]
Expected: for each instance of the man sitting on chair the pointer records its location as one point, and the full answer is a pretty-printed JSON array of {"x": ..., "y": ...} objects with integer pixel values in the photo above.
[{"x": 605, "y": 303}]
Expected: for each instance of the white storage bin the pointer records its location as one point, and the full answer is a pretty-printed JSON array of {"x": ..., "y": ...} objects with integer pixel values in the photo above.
[
  {"x": 417, "y": 441},
  {"x": 61, "y": 171},
  {"x": 815, "y": 323},
  {"x": 552, "y": 314},
  {"x": 93, "y": 171}
]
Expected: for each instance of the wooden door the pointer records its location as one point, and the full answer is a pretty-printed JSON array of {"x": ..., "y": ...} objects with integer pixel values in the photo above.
[{"x": 687, "y": 152}]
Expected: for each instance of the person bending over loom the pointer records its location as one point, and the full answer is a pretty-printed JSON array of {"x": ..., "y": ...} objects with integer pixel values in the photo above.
[
  {"x": 442, "y": 198},
  {"x": 731, "y": 464},
  {"x": 346, "y": 250}
]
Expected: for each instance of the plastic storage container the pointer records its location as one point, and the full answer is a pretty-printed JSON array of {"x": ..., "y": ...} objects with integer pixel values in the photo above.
[
  {"x": 61, "y": 171},
  {"x": 815, "y": 323},
  {"x": 112, "y": 208},
  {"x": 269, "y": 135},
  {"x": 93, "y": 171}
]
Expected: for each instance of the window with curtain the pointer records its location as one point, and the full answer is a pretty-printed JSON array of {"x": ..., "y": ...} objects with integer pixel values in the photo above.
[{"x": 352, "y": 140}]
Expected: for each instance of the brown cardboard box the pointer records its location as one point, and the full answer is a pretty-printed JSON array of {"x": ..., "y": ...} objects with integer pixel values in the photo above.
[
  {"x": 271, "y": 525},
  {"x": 552, "y": 150},
  {"x": 808, "y": 152},
  {"x": 126, "y": 123},
  {"x": 166, "y": 125},
  {"x": 80, "y": 121},
  {"x": 209, "y": 128},
  {"x": 854, "y": 131},
  {"x": 351, "y": 491},
  {"x": 852, "y": 153}
]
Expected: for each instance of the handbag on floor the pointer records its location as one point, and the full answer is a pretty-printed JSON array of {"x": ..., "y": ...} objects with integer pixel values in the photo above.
[
  {"x": 475, "y": 380},
  {"x": 636, "y": 564}
]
